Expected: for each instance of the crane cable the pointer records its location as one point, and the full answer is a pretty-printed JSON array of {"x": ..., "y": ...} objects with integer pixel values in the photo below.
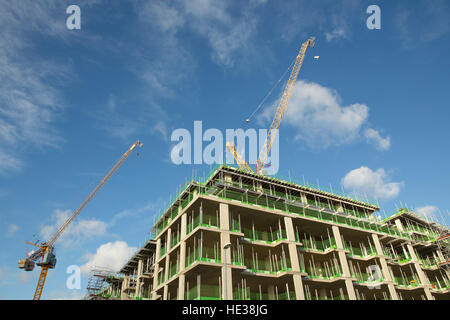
[{"x": 268, "y": 94}]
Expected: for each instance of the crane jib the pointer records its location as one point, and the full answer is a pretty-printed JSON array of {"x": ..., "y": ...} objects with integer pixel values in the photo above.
[{"x": 265, "y": 150}]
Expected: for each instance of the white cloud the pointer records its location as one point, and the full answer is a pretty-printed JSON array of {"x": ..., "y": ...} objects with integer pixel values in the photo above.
[
  {"x": 227, "y": 34},
  {"x": 12, "y": 229},
  {"x": 168, "y": 18},
  {"x": 79, "y": 230},
  {"x": 373, "y": 136},
  {"x": 336, "y": 34},
  {"x": 25, "y": 277},
  {"x": 111, "y": 255},
  {"x": 374, "y": 184},
  {"x": 29, "y": 102},
  {"x": 9, "y": 162},
  {"x": 131, "y": 213},
  {"x": 316, "y": 112},
  {"x": 429, "y": 212},
  {"x": 161, "y": 129}
]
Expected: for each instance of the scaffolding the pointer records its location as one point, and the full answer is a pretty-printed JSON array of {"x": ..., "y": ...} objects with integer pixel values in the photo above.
[
  {"x": 99, "y": 284},
  {"x": 443, "y": 243}
]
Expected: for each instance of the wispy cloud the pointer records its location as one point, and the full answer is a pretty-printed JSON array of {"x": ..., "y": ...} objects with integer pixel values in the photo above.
[
  {"x": 12, "y": 229},
  {"x": 434, "y": 213},
  {"x": 80, "y": 229},
  {"x": 29, "y": 99},
  {"x": 165, "y": 63},
  {"x": 332, "y": 19},
  {"x": 434, "y": 22},
  {"x": 228, "y": 35},
  {"x": 374, "y": 137},
  {"x": 131, "y": 213}
]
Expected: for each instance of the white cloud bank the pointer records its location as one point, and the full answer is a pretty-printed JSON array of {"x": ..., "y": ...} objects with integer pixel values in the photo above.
[
  {"x": 374, "y": 184},
  {"x": 12, "y": 229},
  {"x": 373, "y": 136},
  {"x": 429, "y": 212},
  {"x": 111, "y": 255},
  {"x": 323, "y": 121}
]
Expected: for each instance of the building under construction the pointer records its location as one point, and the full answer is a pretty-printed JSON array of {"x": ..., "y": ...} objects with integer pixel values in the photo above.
[{"x": 243, "y": 236}]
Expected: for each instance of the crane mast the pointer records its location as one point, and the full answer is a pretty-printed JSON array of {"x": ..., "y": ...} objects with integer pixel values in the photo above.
[
  {"x": 273, "y": 130},
  {"x": 45, "y": 250}
]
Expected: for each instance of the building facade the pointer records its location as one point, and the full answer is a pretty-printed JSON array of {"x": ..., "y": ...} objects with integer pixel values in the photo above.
[{"x": 238, "y": 235}]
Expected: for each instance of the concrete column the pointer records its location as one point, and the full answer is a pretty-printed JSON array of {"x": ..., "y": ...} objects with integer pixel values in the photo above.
[
  {"x": 227, "y": 282},
  {"x": 166, "y": 266},
  {"x": 181, "y": 286},
  {"x": 293, "y": 256},
  {"x": 422, "y": 276},
  {"x": 344, "y": 263},
  {"x": 399, "y": 225},
  {"x": 339, "y": 207},
  {"x": 322, "y": 292},
  {"x": 123, "y": 295},
  {"x": 137, "y": 292},
  {"x": 337, "y": 237},
  {"x": 168, "y": 239},
  {"x": 183, "y": 226},
  {"x": 166, "y": 269},
  {"x": 440, "y": 255},
  {"x": 303, "y": 197},
  {"x": 271, "y": 292},
  {"x": 224, "y": 216},
  {"x": 384, "y": 267},
  {"x": 155, "y": 280},
  {"x": 165, "y": 292},
  {"x": 156, "y": 268},
  {"x": 158, "y": 249},
  {"x": 289, "y": 228},
  {"x": 298, "y": 286},
  {"x": 181, "y": 277}
]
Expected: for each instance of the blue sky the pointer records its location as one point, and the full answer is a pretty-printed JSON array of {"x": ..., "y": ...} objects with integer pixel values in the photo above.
[{"x": 370, "y": 115}]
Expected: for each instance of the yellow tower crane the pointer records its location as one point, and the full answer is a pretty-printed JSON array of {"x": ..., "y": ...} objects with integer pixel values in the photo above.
[
  {"x": 44, "y": 254},
  {"x": 265, "y": 150}
]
